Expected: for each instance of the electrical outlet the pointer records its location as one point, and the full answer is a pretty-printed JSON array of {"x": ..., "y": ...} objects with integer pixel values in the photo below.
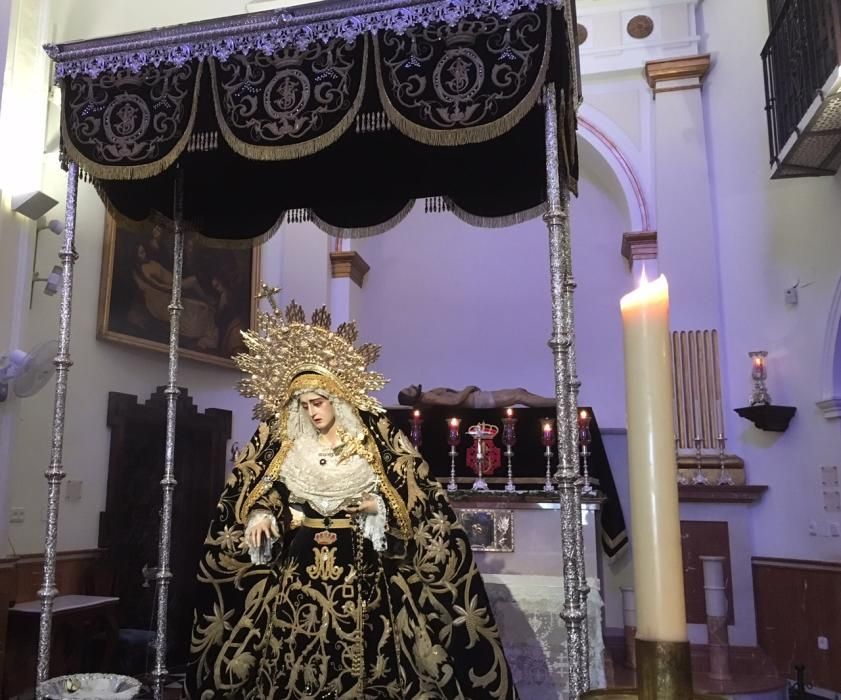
[
  {"x": 813, "y": 528},
  {"x": 16, "y": 515},
  {"x": 834, "y": 530},
  {"x": 823, "y": 643}
]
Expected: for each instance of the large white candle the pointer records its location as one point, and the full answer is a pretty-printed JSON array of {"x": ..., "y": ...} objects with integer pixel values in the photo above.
[{"x": 655, "y": 516}]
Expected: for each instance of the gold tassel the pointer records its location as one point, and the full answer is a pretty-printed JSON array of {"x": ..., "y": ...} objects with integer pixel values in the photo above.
[{"x": 495, "y": 221}]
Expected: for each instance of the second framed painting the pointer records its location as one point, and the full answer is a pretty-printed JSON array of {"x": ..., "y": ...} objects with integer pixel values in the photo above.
[{"x": 218, "y": 293}]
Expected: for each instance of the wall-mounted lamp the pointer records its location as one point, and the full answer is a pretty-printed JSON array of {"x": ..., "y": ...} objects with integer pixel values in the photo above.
[
  {"x": 33, "y": 205},
  {"x": 761, "y": 412},
  {"x": 759, "y": 373},
  {"x": 53, "y": 280}
]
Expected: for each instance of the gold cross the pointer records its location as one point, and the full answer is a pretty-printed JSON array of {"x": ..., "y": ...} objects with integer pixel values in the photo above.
[{"x": 269, "y": 292}]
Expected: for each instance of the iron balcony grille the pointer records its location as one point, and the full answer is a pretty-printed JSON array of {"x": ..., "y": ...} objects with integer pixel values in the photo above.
[{"x": 802, "y": 52}]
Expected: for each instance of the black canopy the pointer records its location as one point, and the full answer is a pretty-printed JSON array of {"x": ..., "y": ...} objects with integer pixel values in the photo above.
[{"x": 350, "y": 110}]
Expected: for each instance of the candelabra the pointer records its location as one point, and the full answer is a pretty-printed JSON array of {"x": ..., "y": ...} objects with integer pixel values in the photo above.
[
  {"x": 548, "y": 441},
  {"x": 453, "y": 438},
  {"x": 759, "y": 395},
  {"x": 481, "y": 432},
  {"x": 415, "y": 435},
  {"x": 724, "y": 477},
  {"x": 584, "y": 442},
  {"x": 699, "y": 479},
  {"x": 509, "y": 439}
]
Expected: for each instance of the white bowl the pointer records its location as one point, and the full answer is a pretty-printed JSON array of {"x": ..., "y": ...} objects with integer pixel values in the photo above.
[{"x": 90, "y": 686}]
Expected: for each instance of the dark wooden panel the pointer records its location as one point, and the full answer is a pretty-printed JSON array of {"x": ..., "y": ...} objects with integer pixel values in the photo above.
[
  {"x": 709, "y": 539},
  {"x": 796, "y": 602},
  {"x": 130, "y": 525},
  {"x": 20, "y": 579},
  {"x": 7, "y": 585}
]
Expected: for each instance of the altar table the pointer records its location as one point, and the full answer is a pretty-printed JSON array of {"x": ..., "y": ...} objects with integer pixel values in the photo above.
[{"x": 527, "y": 609}]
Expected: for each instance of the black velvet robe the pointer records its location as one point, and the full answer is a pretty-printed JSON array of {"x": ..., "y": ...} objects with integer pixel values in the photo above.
[{"x": 342, "y": 620}]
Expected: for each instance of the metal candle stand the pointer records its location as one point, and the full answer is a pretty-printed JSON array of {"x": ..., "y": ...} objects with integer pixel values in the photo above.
[
  {"x": 509, "y": 439},
  {"x": 724, "y": 476},
  {"x": 481, "y": 432},
  {"x": 584, "y": 440},
  {"x": 699, "y": 479},
  {"x": 453, "y": 438}
]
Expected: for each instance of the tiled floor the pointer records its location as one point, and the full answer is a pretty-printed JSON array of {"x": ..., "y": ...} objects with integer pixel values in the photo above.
[{"x": 753, "y": 674}]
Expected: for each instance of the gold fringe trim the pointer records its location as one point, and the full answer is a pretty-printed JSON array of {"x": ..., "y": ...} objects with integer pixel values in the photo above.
[
  {"x": 497, "y": 221},
  {"x": 567, "y": 125},
  {"x": 135, "y": 172},
  {"x": 293, "y": 151},
  {"x": 469, "y": 134},
  {"x": 366, "y": 231},
  {"x": 612, "y": 542},
  {"x": 242, "y": 243}
]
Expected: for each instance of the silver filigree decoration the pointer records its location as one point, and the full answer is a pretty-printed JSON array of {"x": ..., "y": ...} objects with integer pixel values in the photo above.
[
  {"x": 121, "y": 127},
  {"x": 290, "y": 95},
  {"x": 293, "y": 28},
  {"x": 464, "y": 89}
]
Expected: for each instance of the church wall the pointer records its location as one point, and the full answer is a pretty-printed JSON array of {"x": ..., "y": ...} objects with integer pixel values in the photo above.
[
  {"x": 455, "y": 305},
  {"x": 98, "y": 368},
  {"x": 771, "y": 234}
]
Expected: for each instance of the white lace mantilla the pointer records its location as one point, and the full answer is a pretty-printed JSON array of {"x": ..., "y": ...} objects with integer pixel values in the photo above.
[{"x": 313, "y": 474}]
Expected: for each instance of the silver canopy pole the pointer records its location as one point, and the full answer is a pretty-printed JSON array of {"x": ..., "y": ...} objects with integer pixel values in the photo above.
[
  {"x": 168, "y": 482},
  {"x": 55, "y": 471},
  {"x": 562, "y": 342}
]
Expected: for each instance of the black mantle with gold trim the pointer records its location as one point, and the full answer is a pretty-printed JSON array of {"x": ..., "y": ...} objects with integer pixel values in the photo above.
[{"x": 353, "y": 125}]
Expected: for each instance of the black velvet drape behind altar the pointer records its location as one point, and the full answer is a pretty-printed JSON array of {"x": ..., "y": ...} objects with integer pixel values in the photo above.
[{"x": 528, "y": 460}]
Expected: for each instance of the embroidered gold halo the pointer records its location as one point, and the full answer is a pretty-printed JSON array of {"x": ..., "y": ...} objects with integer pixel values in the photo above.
[{"x": 283, "y": 346}]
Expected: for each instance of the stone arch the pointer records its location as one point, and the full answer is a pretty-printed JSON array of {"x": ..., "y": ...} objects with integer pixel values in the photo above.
[
  {"x": 614, "y": 146},
  {"x": 830, "y": 401}
]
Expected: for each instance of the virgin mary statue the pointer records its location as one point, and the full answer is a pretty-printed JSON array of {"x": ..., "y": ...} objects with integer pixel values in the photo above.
[{"x": 335, "y": 567}]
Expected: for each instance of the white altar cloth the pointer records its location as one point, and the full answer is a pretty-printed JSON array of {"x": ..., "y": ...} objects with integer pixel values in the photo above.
[{"x": 527, "y": 609}]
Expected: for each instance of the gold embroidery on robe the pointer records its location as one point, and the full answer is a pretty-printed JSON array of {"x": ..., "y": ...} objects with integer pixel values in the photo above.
[{"x": 324, "y": 567}]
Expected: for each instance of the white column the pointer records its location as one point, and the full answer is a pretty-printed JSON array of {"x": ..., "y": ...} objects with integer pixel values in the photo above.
[
  {"x": 347, "y": 270},
  {"x": 686, "y": 243}
]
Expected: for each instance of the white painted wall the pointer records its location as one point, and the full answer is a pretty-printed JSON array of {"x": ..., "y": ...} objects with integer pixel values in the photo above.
[
  {"x": 455, "y": 305},
  {"x": 770, "y": 235}
]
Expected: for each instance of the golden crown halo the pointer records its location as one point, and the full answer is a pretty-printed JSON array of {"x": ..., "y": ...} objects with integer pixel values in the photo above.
[{"x": 283, "y": 346}]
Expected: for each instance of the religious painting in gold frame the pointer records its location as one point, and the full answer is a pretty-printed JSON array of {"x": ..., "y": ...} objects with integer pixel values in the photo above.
[
  {"x": 488, "y": 529},
  {"x": 218, "y": 293}
]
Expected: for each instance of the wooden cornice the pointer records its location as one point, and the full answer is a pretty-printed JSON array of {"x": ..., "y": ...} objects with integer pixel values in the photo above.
[
  {"x": 639, "y": 245},
  {"x": 690, "y": 70},
  {"x": 349, "y": 263}
]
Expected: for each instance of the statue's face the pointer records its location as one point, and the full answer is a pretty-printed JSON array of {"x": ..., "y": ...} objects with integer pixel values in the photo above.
[{"x": 319, "y": 409}]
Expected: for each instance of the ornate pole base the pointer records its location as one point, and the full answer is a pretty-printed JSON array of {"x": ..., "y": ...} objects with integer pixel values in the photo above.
[{"x": 664, "y": 672}]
